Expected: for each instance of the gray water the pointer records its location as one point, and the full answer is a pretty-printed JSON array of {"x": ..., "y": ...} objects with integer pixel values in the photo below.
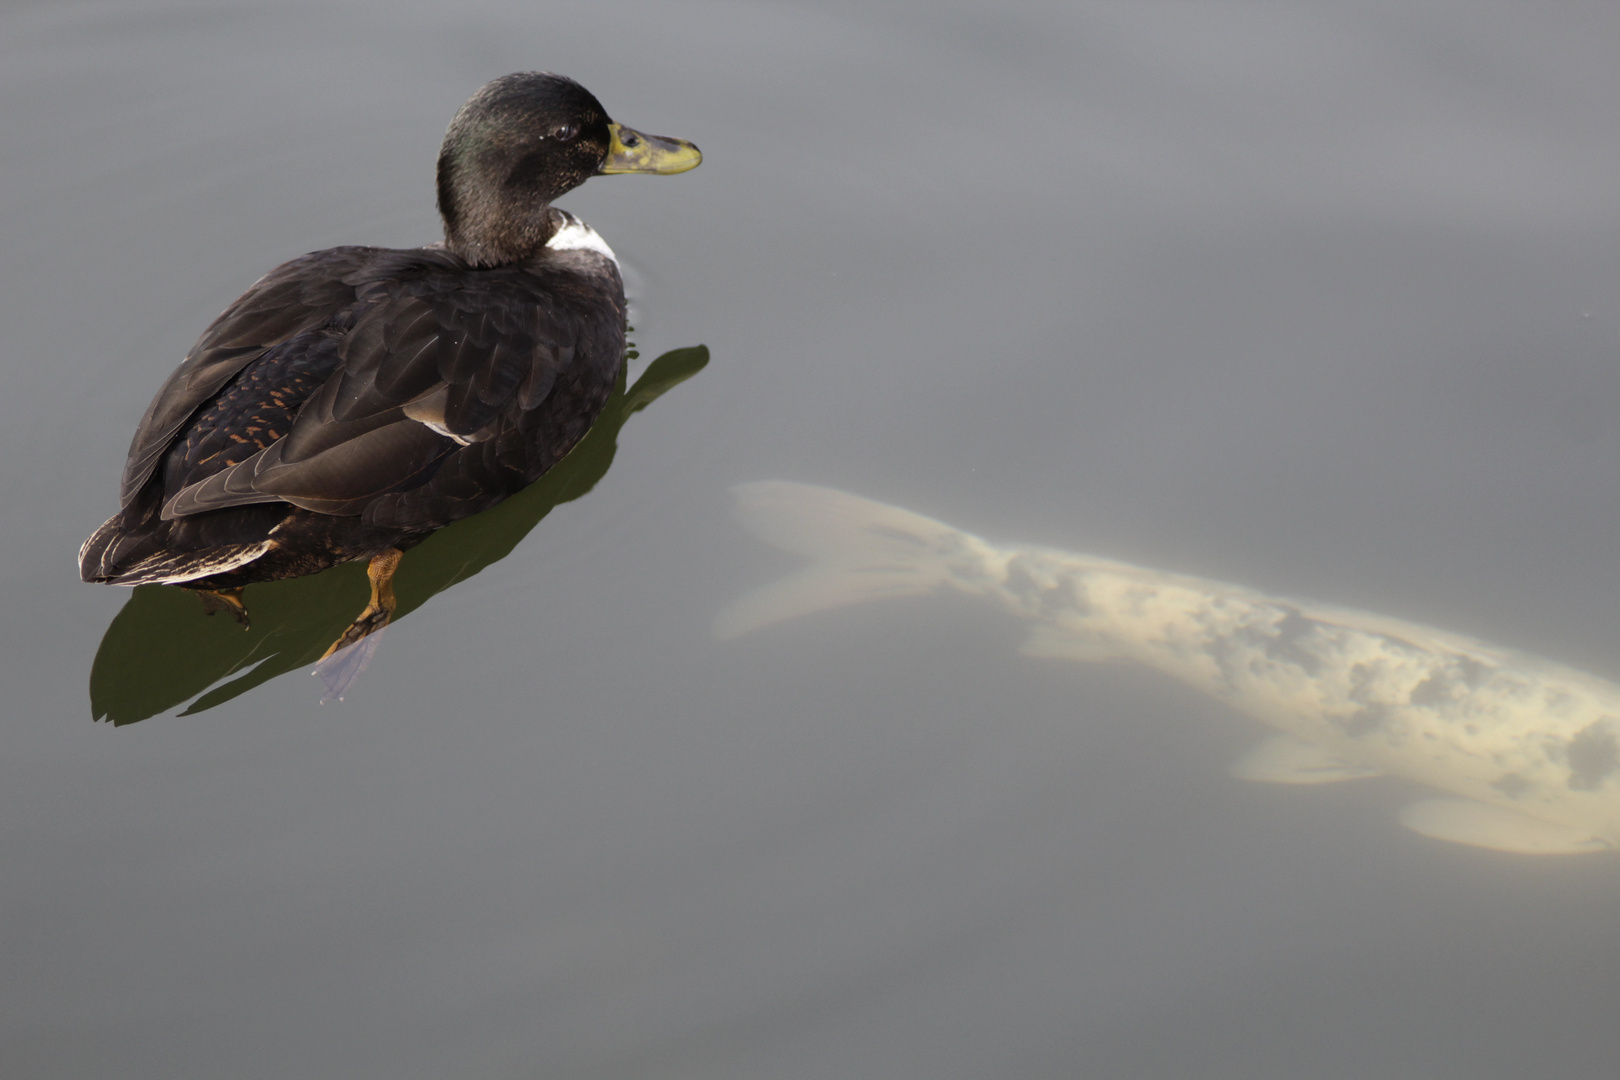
[{"x": 1321, "y": 298}]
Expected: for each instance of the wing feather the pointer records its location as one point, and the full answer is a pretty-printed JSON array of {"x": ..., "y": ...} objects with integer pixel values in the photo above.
[
  {"x": 441, "y": 390},
  {"x": 294, "y": 297}
]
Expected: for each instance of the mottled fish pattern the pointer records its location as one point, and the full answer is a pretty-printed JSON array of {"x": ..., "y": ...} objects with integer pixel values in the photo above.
[{"x": 1525, "y": 750}]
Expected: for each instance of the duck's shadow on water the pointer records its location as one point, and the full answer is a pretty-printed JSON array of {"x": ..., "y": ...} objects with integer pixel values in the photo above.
[{"x": 160, "y": 651}]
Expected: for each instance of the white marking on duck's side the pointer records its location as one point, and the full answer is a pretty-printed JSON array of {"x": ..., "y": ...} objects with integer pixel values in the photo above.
[
  {"x": 1528, "y": 750},
  {"x": 575, "y": 235},
  {"x": 439, "y": 429},
  {"x": 427, "y": 409}
]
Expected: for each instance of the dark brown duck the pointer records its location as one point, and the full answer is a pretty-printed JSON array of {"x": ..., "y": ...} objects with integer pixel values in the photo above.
[{"x": 356, "y": 399}]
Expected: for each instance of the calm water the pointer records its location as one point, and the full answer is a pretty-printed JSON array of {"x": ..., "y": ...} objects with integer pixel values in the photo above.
[{"x": 1320, "y": 298}]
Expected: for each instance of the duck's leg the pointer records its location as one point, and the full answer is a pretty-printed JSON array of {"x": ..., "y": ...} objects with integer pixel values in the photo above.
[
  {"x": 225, "y": 600},
  {"x": 381, "y": 608}
]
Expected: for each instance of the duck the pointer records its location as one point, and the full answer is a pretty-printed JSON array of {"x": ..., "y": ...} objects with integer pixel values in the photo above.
[{"x": 356, "y": 399}]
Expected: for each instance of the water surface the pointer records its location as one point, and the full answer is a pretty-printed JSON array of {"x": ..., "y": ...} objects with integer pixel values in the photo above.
[{"x": 1317, "y": 298}]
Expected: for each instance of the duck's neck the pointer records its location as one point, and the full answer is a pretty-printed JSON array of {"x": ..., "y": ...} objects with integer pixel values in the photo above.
[
  {"x": 490, "y": 223},
  {"x": 486, "y": 237}
]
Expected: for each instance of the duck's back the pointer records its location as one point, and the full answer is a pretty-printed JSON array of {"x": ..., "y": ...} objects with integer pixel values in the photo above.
[{"x": 358, "y": 398}]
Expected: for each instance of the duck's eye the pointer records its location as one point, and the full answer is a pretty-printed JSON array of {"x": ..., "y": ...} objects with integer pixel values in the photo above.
[{"x": 564, "y": 133}]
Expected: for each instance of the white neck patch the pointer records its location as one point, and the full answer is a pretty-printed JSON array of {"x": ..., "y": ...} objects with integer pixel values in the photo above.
[{"x": 575, "y": 235}]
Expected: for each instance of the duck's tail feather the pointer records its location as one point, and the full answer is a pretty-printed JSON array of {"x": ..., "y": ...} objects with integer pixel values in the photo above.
[
  {"x": 859, "y": 550},
  {"x": 117, "y": 555},
  {"x": 93, "y": 558}
]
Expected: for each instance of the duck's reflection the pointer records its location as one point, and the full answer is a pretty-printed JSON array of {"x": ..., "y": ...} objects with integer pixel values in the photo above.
[
  {"x": 160, "y": 651},
  {"x": 1526, "y": 750}
]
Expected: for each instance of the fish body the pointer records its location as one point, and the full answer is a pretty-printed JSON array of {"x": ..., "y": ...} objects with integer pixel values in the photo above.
[{"x": 1525, "y": 750}]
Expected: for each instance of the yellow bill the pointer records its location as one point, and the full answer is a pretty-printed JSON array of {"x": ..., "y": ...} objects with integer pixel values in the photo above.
[{"x": 633, "y": 152}]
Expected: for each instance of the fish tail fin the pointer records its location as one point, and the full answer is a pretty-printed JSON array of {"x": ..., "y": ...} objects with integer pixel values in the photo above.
[{"x": 859, "y": 550}]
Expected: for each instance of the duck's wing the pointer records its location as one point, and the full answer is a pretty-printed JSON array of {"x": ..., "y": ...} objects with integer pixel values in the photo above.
[
  {"x": 436, "y": 365},
  {"x": 294, "y": 298},
  {"x": 520, "y": 390}
]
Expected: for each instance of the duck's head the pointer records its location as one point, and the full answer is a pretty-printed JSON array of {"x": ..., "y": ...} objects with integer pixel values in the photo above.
[{"x": 522, "y": 141}]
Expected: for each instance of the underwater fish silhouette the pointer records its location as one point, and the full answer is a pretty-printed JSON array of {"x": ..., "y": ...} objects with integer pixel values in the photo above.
[{"x": 1525, "y": 749}]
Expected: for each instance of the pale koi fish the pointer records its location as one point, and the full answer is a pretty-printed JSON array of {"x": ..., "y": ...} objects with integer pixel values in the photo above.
[{"x": 1525, "y": 750}]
